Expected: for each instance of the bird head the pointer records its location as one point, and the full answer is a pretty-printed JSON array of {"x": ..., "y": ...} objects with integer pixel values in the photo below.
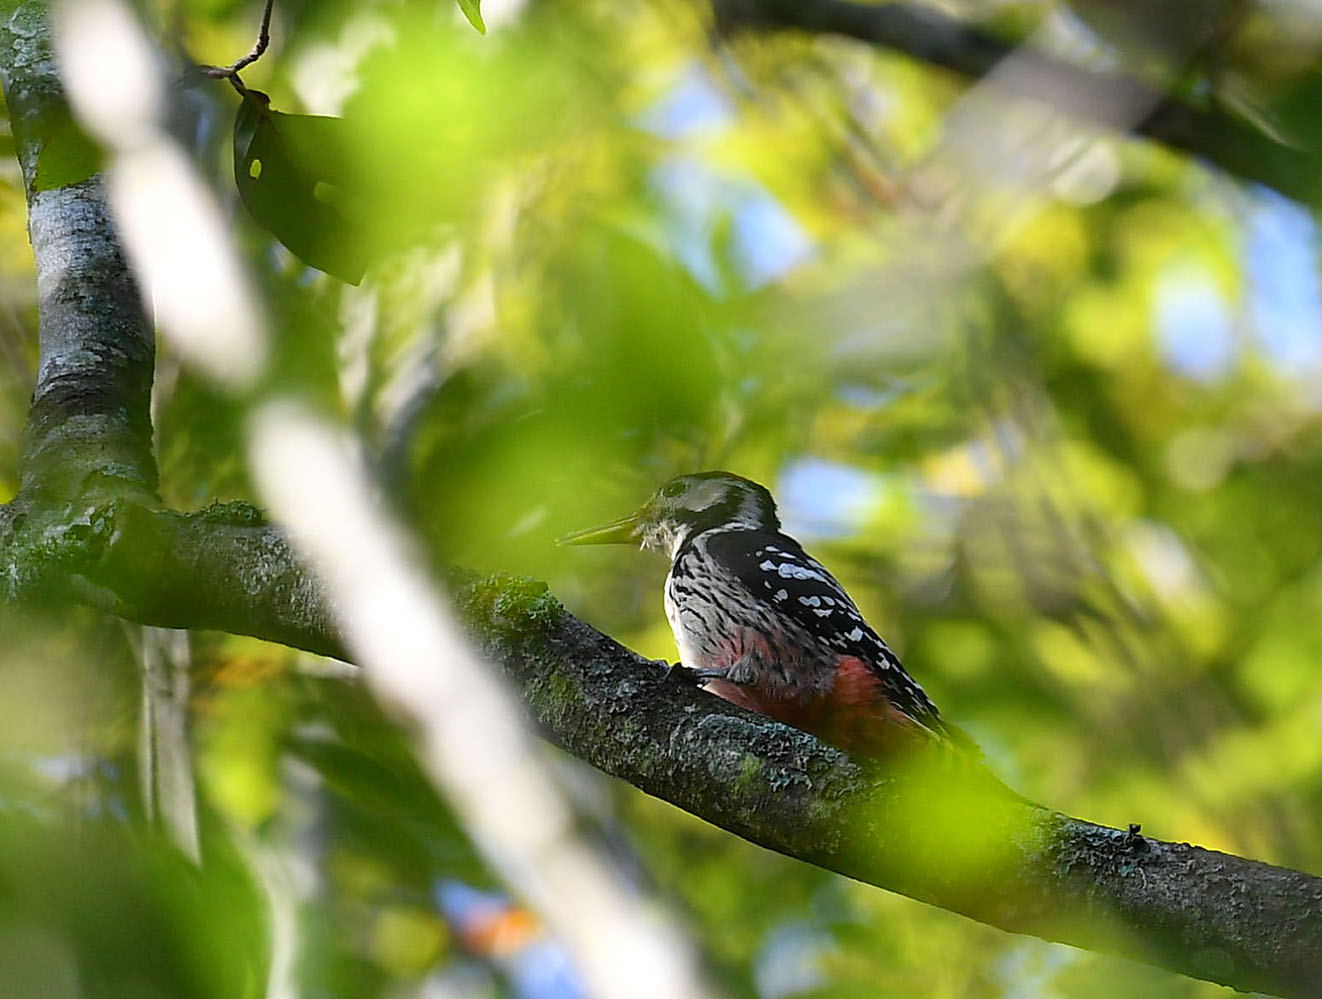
[{"x": 684, "y": 506}]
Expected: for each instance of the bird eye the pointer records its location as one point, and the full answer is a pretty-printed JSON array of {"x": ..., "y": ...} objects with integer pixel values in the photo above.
[{"x": 673, "y": 489}]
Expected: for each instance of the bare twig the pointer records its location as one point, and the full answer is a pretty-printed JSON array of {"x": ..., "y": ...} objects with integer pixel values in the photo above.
[{"x": 231, "y": 72}]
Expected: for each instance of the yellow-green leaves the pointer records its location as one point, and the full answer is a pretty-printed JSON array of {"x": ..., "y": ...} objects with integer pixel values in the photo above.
[{"x": 67, "y": 155}]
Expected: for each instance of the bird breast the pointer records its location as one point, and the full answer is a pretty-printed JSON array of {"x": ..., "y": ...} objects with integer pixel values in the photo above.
[{"x": 718, "y": 625}]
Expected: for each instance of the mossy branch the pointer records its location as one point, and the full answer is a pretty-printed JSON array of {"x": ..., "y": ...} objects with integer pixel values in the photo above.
[
  {"x": 927, "y": 826},
  {"x": 87, "y": 527}
]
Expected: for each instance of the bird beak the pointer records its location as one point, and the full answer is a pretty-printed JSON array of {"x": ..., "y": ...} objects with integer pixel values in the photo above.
[{"x": 623, "y": 531}]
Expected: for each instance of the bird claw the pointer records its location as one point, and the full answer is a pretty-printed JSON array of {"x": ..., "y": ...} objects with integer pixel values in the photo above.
[
  {"x": 680, "y": 674},
  {"x": 687, "y": 676}
]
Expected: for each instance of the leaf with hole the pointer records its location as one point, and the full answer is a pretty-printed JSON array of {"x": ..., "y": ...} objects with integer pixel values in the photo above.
[{"x": 296, "y": 173}]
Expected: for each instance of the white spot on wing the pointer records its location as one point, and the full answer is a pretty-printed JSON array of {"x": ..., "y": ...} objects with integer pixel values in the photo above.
[{"x": 790, "y": 571}]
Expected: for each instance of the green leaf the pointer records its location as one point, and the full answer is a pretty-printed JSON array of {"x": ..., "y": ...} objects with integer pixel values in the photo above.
[
  {"x": 295, "y": 173},
  {"x": 473, "y": 11},
  {"x": 67, "y": 155}
]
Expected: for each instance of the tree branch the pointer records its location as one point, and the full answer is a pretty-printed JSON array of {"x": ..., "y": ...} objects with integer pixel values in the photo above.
[
  {"x": 1103, "y": 99},
  {"x": 231, "y": 72},
  {"x": 86, "y": 526},
  {"x": 951, "y": 838},
  {"x": 942, "y": 833}
]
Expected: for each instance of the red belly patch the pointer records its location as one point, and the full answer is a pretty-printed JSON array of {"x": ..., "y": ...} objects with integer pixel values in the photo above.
[{"x": 854, "y": 713}]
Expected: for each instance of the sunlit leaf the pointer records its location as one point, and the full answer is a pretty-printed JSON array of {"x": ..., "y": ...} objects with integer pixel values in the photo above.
[
  {"x": 473, "y": 11},
  {"x": 67, "y": 155}
]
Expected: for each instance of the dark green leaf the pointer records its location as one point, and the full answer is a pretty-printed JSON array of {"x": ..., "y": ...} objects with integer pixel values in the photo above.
[{"x": 294, "y": 174}]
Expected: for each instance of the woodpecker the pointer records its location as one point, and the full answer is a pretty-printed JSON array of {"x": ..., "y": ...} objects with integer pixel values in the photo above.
[{"x": 763, "y": 624}]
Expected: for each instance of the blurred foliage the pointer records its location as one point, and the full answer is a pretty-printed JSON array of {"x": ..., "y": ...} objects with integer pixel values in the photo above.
[{"x": 1047, "y": 402}]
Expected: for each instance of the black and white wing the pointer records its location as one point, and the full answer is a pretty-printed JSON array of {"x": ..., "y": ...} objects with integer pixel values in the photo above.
[{"x": 775, "y": 569}]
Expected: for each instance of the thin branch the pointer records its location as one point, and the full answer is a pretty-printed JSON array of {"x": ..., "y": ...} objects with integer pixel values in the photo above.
[
  {"x": 231, "y": 72},
  {"x": 1104, "y": 99},
  {"x": 263, "y": 39}
]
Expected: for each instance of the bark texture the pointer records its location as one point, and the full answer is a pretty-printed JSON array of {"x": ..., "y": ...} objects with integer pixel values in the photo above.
[
  {"x": 934, "y": 829},
  {"x": 86, "y": 527},
  {"x": 88, "y": 438}
]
